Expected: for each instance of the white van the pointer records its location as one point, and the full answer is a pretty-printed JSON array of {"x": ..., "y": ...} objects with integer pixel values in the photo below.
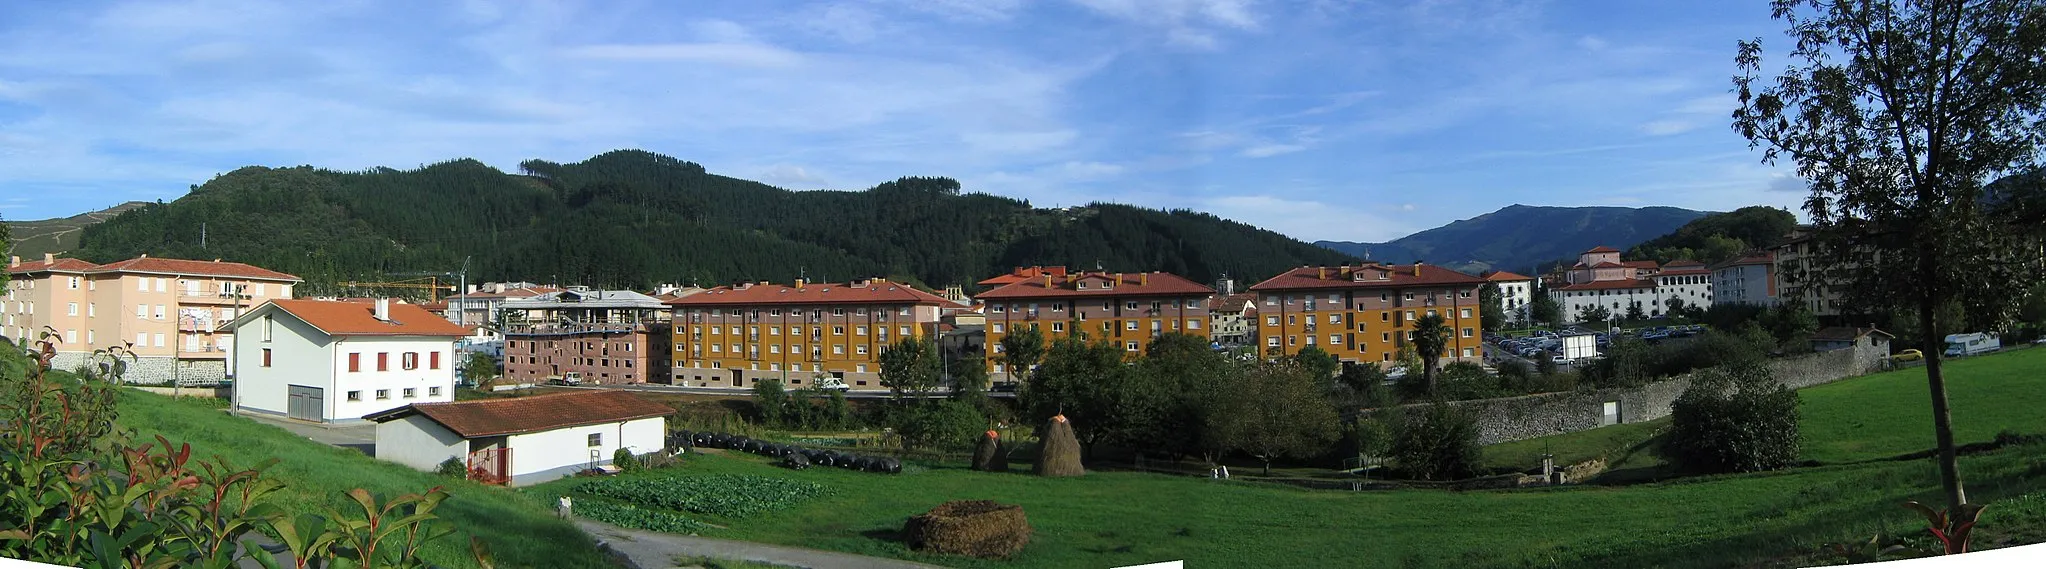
[{"x": 1971, "y": 344}]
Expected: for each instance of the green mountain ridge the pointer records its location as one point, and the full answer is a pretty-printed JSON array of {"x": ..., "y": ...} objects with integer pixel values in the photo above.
[
  {"x": 1519, "y": 237},
  {"x": 632, "y": 218},
  {"x": 59, "y": 235}
]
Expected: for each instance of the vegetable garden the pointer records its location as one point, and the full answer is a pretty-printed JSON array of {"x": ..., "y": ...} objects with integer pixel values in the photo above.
[{"x": 659, "y": 503}]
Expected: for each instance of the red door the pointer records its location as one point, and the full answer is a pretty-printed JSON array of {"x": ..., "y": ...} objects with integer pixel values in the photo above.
[{"x": 491, "y": 466}]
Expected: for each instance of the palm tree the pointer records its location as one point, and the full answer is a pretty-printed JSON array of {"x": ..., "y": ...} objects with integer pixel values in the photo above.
[{"x": 1430, "y": 338}]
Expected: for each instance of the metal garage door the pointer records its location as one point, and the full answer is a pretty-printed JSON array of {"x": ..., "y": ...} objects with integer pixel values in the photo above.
[{"x": 306, "y": 403}]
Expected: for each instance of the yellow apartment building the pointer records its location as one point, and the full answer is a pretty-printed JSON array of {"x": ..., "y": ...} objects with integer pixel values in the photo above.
[
  {"x": 1128, "y": 309},
  {"x": 736, "y": 336},
  {"x": 1366, "y": 313}
]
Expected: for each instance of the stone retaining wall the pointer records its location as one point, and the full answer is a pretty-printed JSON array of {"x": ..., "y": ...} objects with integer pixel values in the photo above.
[
  {"x": 1530, "y": 416},
  {"x": 153, "y": 370}
]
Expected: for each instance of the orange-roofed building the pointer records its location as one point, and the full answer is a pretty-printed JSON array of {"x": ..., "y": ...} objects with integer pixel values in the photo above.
[
  {"x": 336, "y": 361},
  {"x": 1516, "y": 291},
  {"x": 1600, "y": 280},
  {"x": 737, "y": 336},
  {"x": 1021, "y": 274},
  {"x": 169, "y": 309},
  {"x": 1128, "y": 309},
  {"x": 1366, "y": 313}
]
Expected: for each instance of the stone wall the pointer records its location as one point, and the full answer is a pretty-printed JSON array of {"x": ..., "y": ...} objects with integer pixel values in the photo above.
[
  {"x": 153, "y": 370},
  {"x": 1530, "y": 416}
]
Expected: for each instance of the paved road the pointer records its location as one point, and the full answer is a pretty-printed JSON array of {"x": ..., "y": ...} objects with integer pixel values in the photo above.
[
  {"x": 748, "y": 391},
  {"x": 653, "y": 550},
  {"x": 358, "y": 436}
]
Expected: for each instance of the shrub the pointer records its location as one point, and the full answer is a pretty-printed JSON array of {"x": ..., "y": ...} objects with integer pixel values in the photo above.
[
  {"x": 977, "y": 528},
  {"x": 943, "y": 425},
  {"x": 1441, "y": 443},
  {"x": 772, "y": 403},
  {"x": 623, "y": 459},
  {"x": 1735, "y": 418},
  {"x": 452, "y": 468}
]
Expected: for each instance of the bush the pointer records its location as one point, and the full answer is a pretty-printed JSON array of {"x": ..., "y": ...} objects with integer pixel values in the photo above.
[
  {"x": 1464, "y": 380},
  {"x": 1735, "y": 418},
  {"x": 943, "y": 425},
  {"x": 452, "y": 468},
  {"x": 623, "y": 459},
  {"x": 1439, "y": 444},
  {"x": 977, "y": 528}
]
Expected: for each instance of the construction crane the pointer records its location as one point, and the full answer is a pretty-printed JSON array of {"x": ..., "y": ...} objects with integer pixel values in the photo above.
[{"x": 432, "y": 285}]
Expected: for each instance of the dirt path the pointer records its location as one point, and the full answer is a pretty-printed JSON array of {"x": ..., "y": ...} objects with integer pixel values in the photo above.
[{"x": 654, "y": 550}]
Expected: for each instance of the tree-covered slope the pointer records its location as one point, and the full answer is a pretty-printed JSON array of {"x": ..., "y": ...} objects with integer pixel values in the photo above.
[
  {"x": 1518, "y": 237},
  {"x": 634, "y": 218},
  {"x": 1720, "y": 236}
]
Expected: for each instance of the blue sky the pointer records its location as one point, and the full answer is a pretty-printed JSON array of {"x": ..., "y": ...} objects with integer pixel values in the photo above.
[{"x": 1321, "y": 119}]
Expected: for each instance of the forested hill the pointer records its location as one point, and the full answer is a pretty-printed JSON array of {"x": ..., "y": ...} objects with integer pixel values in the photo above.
[
  {"x": 633, "y": 219},
  {"x": 1517, "y": 237}
]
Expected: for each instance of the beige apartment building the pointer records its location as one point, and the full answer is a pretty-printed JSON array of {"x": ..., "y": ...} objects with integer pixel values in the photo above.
[{"x": 171, "y": 312}]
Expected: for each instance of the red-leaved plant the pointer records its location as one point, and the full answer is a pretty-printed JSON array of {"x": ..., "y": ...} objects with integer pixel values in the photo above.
[{"x": 1950, "y": 527}]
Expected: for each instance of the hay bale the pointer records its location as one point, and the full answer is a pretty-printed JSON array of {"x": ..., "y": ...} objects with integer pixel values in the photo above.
[
  {"x": 990, "y": 456},
  {"x": 977, "y": 528},
  {"x": 1059, "y": 450}
]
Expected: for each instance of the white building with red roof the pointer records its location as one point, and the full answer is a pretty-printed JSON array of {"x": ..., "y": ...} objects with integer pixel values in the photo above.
[
  {"x": 1515, "y": 291},
  {"x": 167, "y": 311},
  {"x": 1601, "y": 280},
  {"x": 336, "y": 361}
]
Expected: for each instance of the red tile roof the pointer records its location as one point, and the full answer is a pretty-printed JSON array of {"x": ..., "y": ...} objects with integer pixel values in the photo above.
[
  {"x": 1607, "y": 265},
  {"x": 1683, "y": 263},
  {"x": 215, "y": 268},
  {"x": 1505, "y": 276},
  {"x": 1608, "y": 285},
  {"x": 66, "y": 265},
  {"x": 1698, "y": 270},
  {"x": 343, "y": 318},
  {"x": 1022, "y": 273},
  {"x": 1124, "y": 284},
  {"x": 1232, "y": 302},
  {"x": 1762, "y": 258},
  {"x": 494, "y": 417},
  {"x": 1639, "y": 264},
  {"x": 876, "y": 291},
  {"x": 1346, "y": 277},
  {"x": 1603, "y": 249}
]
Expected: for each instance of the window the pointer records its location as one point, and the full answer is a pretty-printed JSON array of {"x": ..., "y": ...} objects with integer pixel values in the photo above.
[
  {"x": 998, "y": 328},
  {"x": 157, "y": 340},
  {"x": 860, "y": 349},
  {"x": 1385, "y": 317},
  {"x": 70, "y": 336},
  {"x": 1193, "y": 324},
  {"x": 596, "y": 439},
  {"x": 1129, "y": 325},
  {"x": 433, "y": 392},
  {"x": 1335, "y": 319},
  {"x": 1385, "y": 336},
  {"x": 92, "y": 310},
  {"x": 383, "y": 361},
  {"x": 141, "y": 311},
  {"x": 159, "y": 312},
  {"x": 162, "y": 285},
  {"x": 837, "y": 349},
  {"x": 413, "y": 392},
  {"x": 90, "y": 338},
  {"x": 409, "y": 360},
  {"x": 860, "y": 368},
  {"x": 1466, "y": 352},
  {"x": 354, "y": 396},
  {"x": 905, "y": 329},
  {"x": 774, "y": 348},
  {"x": 860, "y": 330},
  {"x": 142, "y": 285},
  {"x": 71, "y": 309},
  {"x": 1129, "y": 346},
  {"x": 1272, "y": 320},
  {"x": 354, "y": 362},
  {"x": 1465, "y": 313},
  {"x": 433, "y": 360},
  {"x": 838, "y": 330},
  {"x": 1058, "y": 307},
  {"x": 1467, "y": 332},
  {"x": 1058, "y": 326},
  {"x": 266, "y": 357},
  {"x": 997, "y": 308},
  {"x": 1132, "y": 305},
  {"x": 1272, "y": 341},
  {"x": 1410, "y": 296},
  {"x": 1335, "y": 339},
  {"x": 141, "y": 339},
  {"x": 383, "y": 394}
]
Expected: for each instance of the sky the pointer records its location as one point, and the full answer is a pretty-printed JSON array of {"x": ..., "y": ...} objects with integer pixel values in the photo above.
[{"x": 1320, "y": 119}]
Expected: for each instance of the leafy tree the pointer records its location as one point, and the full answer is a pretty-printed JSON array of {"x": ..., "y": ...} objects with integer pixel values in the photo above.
[
  {"x": 1594, "y": 314},
  {"x": 1362, "y": 385},
  {"x": 911, "y": 366},
  {"x": 946, "y": 425},
  {"x": 1544, "y": 310},
  {"x": 1440, "y": 443},
  {"x": 1321, "y": 364},
  {"x": 479, "y": 367},
  {"x": 1081, "y": 379},
  {"x": 1897, "y": 113},
  {"x": 1022, "y": 349},
  {"x": 1734, "y": 418},
  {"x": 1792, "y": 324},
  {"x": 1174, "y": 399},
  {"x": 1634, "y": 312},
  {"x": 1718, "y": 237},
  {"x": 1431, "y": 337},
  {"x": 772, "y": 402},
  {"x": 1676, "y": 305},
  {"x": 1279, "y": 412},
  {"x": 1491, "y": 307}
]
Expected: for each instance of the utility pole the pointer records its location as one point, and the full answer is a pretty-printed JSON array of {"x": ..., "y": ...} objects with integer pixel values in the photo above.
[{"x": 202, "y": 235}]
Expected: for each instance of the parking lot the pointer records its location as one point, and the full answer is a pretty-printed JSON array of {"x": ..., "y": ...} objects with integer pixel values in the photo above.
[{"x": 1548, "y": 344}]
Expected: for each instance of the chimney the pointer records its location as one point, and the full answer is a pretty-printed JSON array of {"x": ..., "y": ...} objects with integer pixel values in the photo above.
[
  {"x": 52, "y": 258},
  {"x": 1417, "y": 268},
  {"x": 216, "y": 260},
  {"x": 1321, "y": 272},
  {"x": 799, "y": 284},
  {"x": 1047, "y": 280},
  {"x": 14, "y": 261},
  {"x": 383, "y": 310},
  {"x": 144, "y": 256},
  {"x": 1143, "y": 278}
]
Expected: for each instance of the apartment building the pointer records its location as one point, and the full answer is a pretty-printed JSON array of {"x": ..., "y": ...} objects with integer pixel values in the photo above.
[
  {"x": 1516, "y": 291},
  {"x": 739, "y": 335},
  {"x": 1801, "y": 274},
  {"x": 1232, "y": 319},
  {"x": 1128, "y": 309},
  {"x": 1749, "y": 279},
  {"x": 603, "y": 336},
  {"x": 172, "y": 310},
  {"x": 1366, "y": 313},
  {"x": 1600, "y": 279}
]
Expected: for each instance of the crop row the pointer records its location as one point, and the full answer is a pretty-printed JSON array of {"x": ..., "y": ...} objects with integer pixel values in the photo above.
[
  {"x": 627, "y": 515},
  {"x": 725, "y": 495}
]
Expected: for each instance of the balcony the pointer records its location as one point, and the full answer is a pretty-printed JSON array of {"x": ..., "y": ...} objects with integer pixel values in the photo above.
[
  {"x": 202, "y": 351},
  {"x": 214, "y": 295}
]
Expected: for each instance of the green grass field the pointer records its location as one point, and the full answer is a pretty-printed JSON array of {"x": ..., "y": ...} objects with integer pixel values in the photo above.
[{"x": 520, "y": 531}]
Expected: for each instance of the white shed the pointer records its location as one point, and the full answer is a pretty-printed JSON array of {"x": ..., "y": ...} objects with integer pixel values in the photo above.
[{"x": 524, "y": 440}]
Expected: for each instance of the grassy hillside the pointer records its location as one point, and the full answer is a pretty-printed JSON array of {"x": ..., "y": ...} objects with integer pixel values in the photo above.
[
  {"x": 519, "y": 530},
  {"x": 30, "y": 239},
  {"x": 632, "y": 218}
]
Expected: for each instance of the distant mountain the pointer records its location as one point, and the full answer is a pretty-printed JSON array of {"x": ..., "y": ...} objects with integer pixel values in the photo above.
[
  {"x": 1518, "y": 237},
  {"x": 57, "y": 235},
  {"x": 632, "y": 218}
]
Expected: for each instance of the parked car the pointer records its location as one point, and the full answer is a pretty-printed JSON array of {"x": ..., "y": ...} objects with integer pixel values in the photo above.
[
  {"x": 570, "y": 378},
  {"x": 1911, "y": 355},
  {"x": 1559, "y": 360}
]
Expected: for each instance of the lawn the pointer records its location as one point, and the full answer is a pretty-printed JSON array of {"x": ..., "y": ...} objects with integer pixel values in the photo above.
[
  {"x": 1878, "y": 416},
  {"x": 520, "y": 531},
  {"x": 1114, "y": 519}
]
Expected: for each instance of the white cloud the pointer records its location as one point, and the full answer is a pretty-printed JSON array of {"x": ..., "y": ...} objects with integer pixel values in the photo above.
[
  {"x": 790, "y": 176},
  {"x": 1268, "y": 150},
  {"x": 1185, "y": 23},
  {"x": 1667, "y": 127},
  {"x": 722, "y": 53}
]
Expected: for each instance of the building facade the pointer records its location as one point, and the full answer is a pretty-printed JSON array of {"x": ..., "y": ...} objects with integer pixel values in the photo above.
[
  {"x": 1601, "y": 280},
  {"x": 1802, "y": 277},
  {"x": 1232, "y": 319},
  {"x": 737, "y": 336},
  {"x": 336, "y": 361},
  {"x": 523, "y": 441},
  {"x": 1515, "y": 293},
  {"x": 1366, "y": 313},
  {"x": 1128, "y": 309},
  {"x": 604, "y": 336},
  {"x": 1749, "y": 279},
  {"x": 172, "y": 310}
]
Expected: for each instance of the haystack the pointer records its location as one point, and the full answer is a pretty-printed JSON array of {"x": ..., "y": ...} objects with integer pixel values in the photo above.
[
  {"x": 989, "y": 456},
  {"x": 1058, "y": 452},
  {"x": 977, "y": 528}
]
